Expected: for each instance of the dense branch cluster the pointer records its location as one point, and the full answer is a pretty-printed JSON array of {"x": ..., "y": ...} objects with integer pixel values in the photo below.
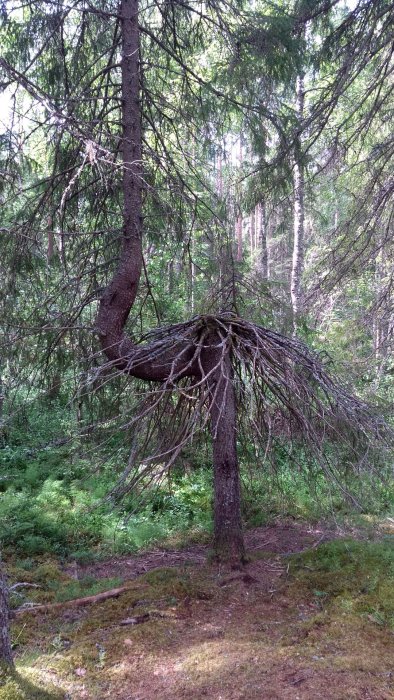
[{"x": 283, "y": 390}]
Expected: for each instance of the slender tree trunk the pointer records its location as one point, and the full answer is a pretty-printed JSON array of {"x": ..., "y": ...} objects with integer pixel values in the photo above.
[
  {"x": 6, "y": 661},
  {"x": 238, "y": 233},
  {"x": 299, "y": 216},
  {"x": 54, "y": 386},
  {"x": 228, "y": 536},
  {"x": 377, "y": 316},
  {"x": 256, "y": 227},
  {"x": 262, "y": 259},
  {"x": 223, "y": 244},
  {"x": 238, "y": 225},
  {"x": 51, "y": 241},
  {"x": 2, "y": 395},
  {"x": 219, "y": 175},
  {"x": 54, "y": 379},
  {"x": 192, "y": 273},
  {"x": 170, "y": 287},
  {"x": 62, "y": 249},
  {"x": 252, "y": 232}
]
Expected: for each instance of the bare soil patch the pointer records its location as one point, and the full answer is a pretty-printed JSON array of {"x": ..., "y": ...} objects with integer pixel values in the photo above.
[{"x": 286, "y": 537}]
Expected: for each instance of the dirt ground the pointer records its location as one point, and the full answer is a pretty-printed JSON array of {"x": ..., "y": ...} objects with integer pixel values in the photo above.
[
  {"x": 287, "y": 537},
  {"x": 186, "y": 630}
]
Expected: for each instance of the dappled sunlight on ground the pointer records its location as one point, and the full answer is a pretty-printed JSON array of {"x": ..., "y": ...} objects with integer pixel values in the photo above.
[{"x": 199, "y": 631}]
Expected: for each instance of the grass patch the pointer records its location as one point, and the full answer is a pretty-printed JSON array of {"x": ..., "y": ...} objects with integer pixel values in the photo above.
[
  {"x": 85, "y": 587},
  {"x": 45, "y": 582}
]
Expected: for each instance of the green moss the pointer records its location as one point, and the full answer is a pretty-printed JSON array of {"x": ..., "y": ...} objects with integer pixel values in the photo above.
[
  {"x": 178, "y": 583},
  {"x": 236, "y": 641},
  {"x": 20, "y": 687},
  {"x": 51, "y": 584},
  {"x": 85, "y": 587},
  {"x": 348, "y": 577}
]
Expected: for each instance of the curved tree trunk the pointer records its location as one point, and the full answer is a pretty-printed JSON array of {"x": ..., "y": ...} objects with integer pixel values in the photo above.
[{"x": 119, "y": 297}]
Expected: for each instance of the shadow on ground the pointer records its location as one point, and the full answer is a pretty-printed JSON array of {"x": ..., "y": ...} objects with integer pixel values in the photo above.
[{"x": 195, "y": 631}]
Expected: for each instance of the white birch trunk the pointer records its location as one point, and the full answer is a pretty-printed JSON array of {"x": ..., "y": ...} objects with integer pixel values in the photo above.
[{"x": 298, "y": 217}]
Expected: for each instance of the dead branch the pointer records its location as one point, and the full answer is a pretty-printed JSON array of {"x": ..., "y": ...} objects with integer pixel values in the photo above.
[
  {"x": 277, "y": 379},
  {"x": 76, "y": 602}
]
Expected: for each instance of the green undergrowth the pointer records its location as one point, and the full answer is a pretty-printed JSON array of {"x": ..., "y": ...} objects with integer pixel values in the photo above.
[
  {"x": 347, "y": 577},
  {"x": 68, "y": 521},
  {"x": 27, "y": 687},
  {"x": 54, "y": 492},
  {"x": 70, "y": 518}
]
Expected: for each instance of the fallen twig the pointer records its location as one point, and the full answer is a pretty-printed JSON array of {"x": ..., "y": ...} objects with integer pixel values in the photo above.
[
  {"x": 137, "y": 620},
  {"x": 76, "y": 602}
]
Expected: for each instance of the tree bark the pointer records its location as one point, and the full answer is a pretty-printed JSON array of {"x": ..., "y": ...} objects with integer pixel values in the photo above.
[
  {"x": 51, "y": 241},
  {"x": 6, "y": 661},
  {"x": 238, "y": 224},
  {"x": 256, "y": 228},
  {"x": 2, "y": 396},
  {"x": 238, "y": 232},
  {"x": 299, "y": 216},
  {"x": 252, "y": 224},
  {"x": 228, "y": 536},
  {"x": 219, "y": 175},
  {"x": 262, "y": 259},
  {"x": 119, "y": 297}
]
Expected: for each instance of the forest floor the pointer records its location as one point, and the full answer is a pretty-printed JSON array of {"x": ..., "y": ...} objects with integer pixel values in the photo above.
[{"x": 284, "y": 627}]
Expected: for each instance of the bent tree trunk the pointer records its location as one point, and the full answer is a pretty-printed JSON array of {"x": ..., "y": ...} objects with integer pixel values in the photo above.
[
  {"x": 6, "y": 662},
  {"x": 181, "y": 361}
]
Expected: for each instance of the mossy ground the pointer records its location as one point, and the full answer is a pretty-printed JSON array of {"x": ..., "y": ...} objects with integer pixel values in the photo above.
[{"x": 315, "y": 625}]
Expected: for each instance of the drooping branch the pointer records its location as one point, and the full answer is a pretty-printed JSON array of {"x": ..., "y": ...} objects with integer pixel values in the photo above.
[
  {"x": 273, "y": 377},
  {"x": 210, "y": 362}
]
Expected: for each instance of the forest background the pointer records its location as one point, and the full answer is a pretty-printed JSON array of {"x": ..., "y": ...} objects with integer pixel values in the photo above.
[{"x": 267, "y": 194}]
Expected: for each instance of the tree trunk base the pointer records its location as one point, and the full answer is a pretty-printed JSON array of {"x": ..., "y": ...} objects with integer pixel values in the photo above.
[
  {"x": 232, "y": 554},
  {"x": 228, "y": 540}
]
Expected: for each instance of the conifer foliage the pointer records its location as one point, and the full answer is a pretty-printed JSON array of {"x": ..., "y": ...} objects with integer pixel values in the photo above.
[{"x": 114, "y": 223}]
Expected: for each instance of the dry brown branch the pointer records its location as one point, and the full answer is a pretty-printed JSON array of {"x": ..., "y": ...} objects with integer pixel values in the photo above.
[
  {"x": 76, "y": 602},
  {"x": 274, "y": 376}
]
